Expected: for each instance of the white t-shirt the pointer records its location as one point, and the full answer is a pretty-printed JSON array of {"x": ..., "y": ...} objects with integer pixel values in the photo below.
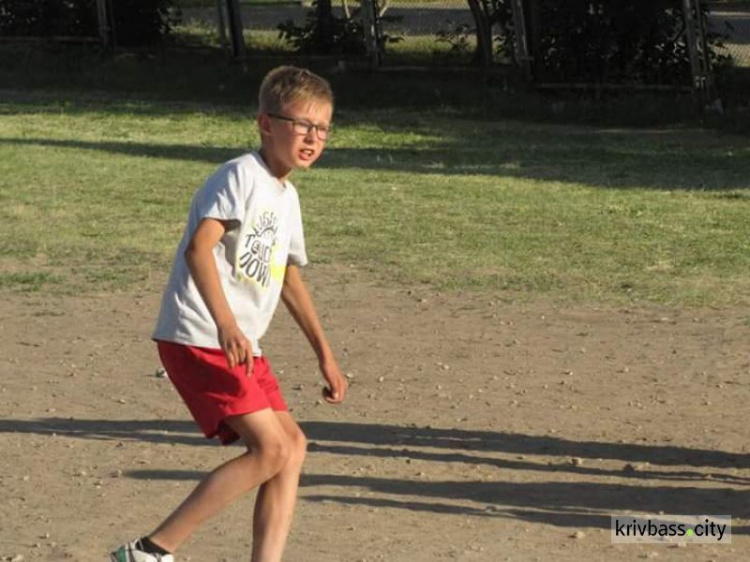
[{"x": 264, "y": 235}]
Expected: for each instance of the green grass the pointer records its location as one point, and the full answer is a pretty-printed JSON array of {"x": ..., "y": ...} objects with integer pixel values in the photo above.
[
  {"x": 405, "y": 50},
  {"x": 94, "y": 194},
  {"x": 259, "y": 42},
  {"x": 30, "y": 282}
]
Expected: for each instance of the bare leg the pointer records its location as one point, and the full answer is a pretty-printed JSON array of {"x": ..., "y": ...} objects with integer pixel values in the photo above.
[
  {"x": 274, "y": 505},
  {"x": 268, "y": 453}
]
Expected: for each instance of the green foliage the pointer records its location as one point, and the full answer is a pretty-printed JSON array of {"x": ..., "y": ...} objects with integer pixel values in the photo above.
[
  {"x": 605, "y": 41},
  {"x": 136, "y": 22},
  {"x": 641, "y": 41},
  {"x": 144, "y": 22},
  {"x": 45, "y": 18},
  {"x": 458, "y": 38},
  {"x": 345, "y": 36}
]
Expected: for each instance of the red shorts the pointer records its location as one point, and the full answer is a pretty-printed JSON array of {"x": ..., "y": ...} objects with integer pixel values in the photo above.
[{"x": 212, "y": 391}]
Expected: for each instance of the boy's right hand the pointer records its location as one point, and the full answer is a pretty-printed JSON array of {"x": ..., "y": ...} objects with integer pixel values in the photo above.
[{"x": 235, "y": 345}]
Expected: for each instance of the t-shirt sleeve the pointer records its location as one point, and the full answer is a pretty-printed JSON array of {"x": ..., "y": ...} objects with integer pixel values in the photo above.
[
  {"x": 297, "y": 252},
  {"x": 224, "y": 196}
]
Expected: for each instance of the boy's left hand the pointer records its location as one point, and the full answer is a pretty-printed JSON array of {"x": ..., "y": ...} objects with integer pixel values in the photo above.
[{"x": 335, "y": 392}]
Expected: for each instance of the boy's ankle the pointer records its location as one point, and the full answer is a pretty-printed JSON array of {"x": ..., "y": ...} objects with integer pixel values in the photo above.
[{"x": 147, "y": 545}]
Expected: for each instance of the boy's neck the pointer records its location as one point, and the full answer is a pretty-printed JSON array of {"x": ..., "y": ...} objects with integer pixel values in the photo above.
[{"x": 277, "y": 169}]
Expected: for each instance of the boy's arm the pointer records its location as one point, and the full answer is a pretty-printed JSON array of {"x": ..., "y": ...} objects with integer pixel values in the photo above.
[
  {"x": 297, "y": 299},
  {"x": 200, "y": 261}
]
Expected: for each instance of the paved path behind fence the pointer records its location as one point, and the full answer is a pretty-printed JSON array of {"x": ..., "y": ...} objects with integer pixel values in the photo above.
[{"x": 428, "y": 20}]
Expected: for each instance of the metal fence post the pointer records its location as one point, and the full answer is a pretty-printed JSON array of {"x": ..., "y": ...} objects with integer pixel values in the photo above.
[
  {"x": 700, "y": 65},
  {"x": 709, "y": 85},
  {"x": 234, "y": 18},
  {"x": 102, "y": 15},
  {"x": 372, "y": 33},
  {"x": 533, "y": 17},
  {"x": 221, "y": 23},
  {"x": 522, "y": 44}
]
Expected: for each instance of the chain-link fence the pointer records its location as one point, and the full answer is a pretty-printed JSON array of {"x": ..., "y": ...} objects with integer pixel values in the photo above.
[
  {"x": 734, "y": 27},
  {"x": 413, "y": 32},
  {"x": 732, "y": 23},
  {"x": 114, "y": 23},
  {"x": 424, "y": 32},
  {"x": 527, "y": 34},
  {"x": 439, "y": 32}
]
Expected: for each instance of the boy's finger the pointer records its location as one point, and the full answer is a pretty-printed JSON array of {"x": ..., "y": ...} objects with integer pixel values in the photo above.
[{"x": 332, "y": 396}]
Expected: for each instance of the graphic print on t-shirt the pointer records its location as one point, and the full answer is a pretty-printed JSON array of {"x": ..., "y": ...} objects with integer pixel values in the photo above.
[{"x": 257, "y": 249}]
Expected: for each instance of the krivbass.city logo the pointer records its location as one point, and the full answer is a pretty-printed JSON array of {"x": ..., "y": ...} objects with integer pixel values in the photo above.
[{"x": 672, "y": 529}]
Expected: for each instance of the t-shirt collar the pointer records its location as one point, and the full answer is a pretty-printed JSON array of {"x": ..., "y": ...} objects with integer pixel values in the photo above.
[{"x": 282, "y": 184}]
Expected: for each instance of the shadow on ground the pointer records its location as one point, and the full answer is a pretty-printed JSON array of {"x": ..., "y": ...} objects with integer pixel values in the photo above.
[
  {"x": 600, "y": 159},
  {"x": 567, "y": 504}
]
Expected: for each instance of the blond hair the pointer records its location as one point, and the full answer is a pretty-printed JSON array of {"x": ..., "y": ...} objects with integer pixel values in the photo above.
[{"x": 285, "y": 85}]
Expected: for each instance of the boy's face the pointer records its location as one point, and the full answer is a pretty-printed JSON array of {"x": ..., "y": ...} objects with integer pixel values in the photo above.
[{"x": 295, "y": 137}]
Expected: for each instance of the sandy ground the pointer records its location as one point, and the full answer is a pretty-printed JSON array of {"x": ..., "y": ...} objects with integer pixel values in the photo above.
[{"x": 475, "y": 430}]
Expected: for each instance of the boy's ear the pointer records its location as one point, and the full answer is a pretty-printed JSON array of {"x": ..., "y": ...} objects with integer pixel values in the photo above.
[{"x": 264, "y": 124}]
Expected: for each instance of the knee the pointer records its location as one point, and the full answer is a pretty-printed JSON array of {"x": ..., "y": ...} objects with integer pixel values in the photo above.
[
  {"x": 298, "y": 448},
  {"x": 274, "y": 454}
]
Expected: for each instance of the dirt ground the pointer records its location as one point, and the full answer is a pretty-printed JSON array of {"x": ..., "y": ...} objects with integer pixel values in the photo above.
[{"x": 475, "y": 429}]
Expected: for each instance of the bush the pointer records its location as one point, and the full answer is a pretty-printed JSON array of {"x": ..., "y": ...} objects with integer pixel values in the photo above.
[
  {"x": 135, "y": 22},
  {"x": 641, "y": 41},
  {"x": 345, "y": 36},
  {"x": 603, "y": 41},
  {"x": 47, "y": 18},
  {"x": 342, "y": 36},
  {"x": 144, "y": 22}
]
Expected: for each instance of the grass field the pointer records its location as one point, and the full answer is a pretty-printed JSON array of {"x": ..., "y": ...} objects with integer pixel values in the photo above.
[
  {"x": 94, "y": 194},
  {"x": 415, "y": 49}
]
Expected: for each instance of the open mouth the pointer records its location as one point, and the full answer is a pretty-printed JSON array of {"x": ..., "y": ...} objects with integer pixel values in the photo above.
[{"x": 306, "y": 154}]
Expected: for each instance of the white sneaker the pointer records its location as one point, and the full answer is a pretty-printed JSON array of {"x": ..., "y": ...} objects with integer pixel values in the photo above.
[{"x": 130, "y": 552}]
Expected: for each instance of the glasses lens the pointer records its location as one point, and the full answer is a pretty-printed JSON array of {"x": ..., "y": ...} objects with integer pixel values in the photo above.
[{"x": 302, "y": 128}]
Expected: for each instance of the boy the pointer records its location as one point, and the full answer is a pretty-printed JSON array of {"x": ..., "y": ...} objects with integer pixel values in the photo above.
[{"x": 241, "y": 251}]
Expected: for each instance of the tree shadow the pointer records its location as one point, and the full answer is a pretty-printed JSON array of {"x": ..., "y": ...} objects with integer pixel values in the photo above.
[
  {"x": 186, "y": 433},
  {"x": 562, "y": 504},
  {"x": 409, "y": 439},
  {"x": 516, "y": 443},
  {"x": 149, "y": 431},
  {"x": 565, "y": 504},
  {"x": 617, "y": 159},
  {"x": 550, "y": 503},
  {"x": 212, "y": 155},
  {"x": 563, "y": 466}
]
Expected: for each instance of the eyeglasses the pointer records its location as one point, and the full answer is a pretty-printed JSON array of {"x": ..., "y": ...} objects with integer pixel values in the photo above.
[{"x": 304, "y": 127}]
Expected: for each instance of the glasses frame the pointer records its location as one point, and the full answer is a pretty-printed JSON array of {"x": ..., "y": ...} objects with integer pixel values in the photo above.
[{"x": 303, "y": 128}]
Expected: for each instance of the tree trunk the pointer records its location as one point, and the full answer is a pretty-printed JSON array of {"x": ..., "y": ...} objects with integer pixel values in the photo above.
[
  {"x": 483, "y": 53},
  {"x": 534, "y": 28},
  {"x": 324, "y": 13},
  {"x": 234, "y": 18}
]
